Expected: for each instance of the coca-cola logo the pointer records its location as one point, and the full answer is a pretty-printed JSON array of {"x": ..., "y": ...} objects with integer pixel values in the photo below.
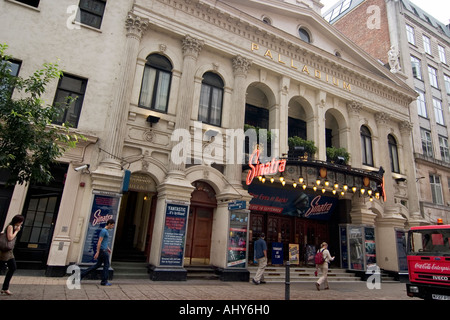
[
  {"x": 99, "y": 219},
  {"x": 318, "y": 209},
  {"x": 432, "y": 267}
]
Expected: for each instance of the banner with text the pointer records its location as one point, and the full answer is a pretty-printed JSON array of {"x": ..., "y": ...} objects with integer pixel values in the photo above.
[{"x": 295, "y": 203}]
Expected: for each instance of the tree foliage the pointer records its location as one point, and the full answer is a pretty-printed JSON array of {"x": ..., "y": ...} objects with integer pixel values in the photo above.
[{"x": 29, "y": 142}]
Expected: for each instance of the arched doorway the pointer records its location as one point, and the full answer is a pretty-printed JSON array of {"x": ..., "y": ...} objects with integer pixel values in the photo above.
[
  {"x": 135, "y": 221},
  {"x": 198, "y": 237}
]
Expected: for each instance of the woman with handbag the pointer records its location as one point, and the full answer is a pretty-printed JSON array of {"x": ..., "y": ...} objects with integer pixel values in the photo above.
[{"x": 7, "y": 256}]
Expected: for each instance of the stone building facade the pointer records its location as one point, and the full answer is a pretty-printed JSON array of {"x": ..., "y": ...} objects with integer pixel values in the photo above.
[{"x": 167, "y": 89}]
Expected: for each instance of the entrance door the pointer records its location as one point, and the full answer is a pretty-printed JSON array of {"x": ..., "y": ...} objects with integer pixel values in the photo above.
[
  {"x": 280, "y": 229},
  {"x": 34, "y": 242},
  {"x": 198, "y": 238}
]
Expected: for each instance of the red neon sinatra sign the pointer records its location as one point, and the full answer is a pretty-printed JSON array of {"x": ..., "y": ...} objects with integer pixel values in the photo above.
[{"x": 259, "y": 169}]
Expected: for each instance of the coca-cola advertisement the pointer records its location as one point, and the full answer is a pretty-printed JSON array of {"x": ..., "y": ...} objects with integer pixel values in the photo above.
[
  {"x": 104, "y": 207},
  {"x": 295, "y": 203}
]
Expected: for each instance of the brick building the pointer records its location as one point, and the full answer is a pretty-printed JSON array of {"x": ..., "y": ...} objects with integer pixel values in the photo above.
[{"x": 421, "y": 47}]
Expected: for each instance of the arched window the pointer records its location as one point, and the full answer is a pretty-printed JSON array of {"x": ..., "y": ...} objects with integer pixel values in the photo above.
[
  {"x": 211, "y": 96},
  {"x": 393, "y": 153},
  {"x": 156, "y": 83},
  {"x": 366, "y": 145},
  {"x": 304, "y": 35}
]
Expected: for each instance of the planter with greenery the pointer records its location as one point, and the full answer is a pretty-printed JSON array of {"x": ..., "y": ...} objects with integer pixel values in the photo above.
[
  {"x": 308, "y": 145},
  {"x": 333, "y": 154}
]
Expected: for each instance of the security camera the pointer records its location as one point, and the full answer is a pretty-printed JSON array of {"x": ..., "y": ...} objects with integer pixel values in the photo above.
[{"x": 84, "y": 166}]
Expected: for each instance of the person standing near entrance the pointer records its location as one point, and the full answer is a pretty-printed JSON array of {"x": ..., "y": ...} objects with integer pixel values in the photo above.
[
  {"x": 261, "y": 256},
  {"x": 324, "y": 266},
  {"x": 102, "y": 254},
  {"x": 11, "y": 231}
]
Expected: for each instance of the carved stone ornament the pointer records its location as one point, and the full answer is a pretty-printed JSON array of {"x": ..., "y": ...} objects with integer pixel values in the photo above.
[
  {"x": 382, "y": 117},
  {"x": 136, "y": 25},
  {"x": 394, "y": 63},
  {"x": 241, "y": 65},
  {"x": 406, "y": 127},
  {"x": 191, "y": 46},
  {"x": 354, "y": 107}
]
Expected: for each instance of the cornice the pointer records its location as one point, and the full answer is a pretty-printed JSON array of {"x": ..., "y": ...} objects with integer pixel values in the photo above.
[{"x": 253, "y": 30}]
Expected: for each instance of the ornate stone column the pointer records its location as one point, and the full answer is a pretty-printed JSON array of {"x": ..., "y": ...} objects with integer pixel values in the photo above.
[
  {"x": 384, "y": 157},
  {"x": 109, "y": 174},
  {"x": 354, "y": 108},
  {"x": 191, "y": 48},
  {"x": 233, "y": 169}
]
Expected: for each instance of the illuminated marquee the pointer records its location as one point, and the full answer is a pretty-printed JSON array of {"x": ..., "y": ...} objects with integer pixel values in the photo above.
[{"x": 260, "y": 169}]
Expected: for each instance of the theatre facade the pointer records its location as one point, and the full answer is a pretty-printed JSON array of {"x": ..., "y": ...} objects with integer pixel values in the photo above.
[{"x": 225, "y": 120}]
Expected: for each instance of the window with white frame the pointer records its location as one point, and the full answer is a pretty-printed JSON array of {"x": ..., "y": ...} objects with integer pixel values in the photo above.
[
  {"x": 410, "y": 34},
  {"x": 366, "y": 146},
  {"x": 438, "y": 112},
  {"x": 156, "y": 80},
  {"x": 426, "y": 44},
  {"x": 442, "y": 56},
  {"x": 427, "y": 145},
  {"x": 443, "y": 146},
  {"x": 432, "y": 73},
  {"x": 447, "y": 83},
  {"x": 421, "y": 104},
  {"x": 211, "y": 99},
  {"x": 393, "y": 153},
  {"x": 436, "y": 189},
  {"x": 416, "y": 68}
]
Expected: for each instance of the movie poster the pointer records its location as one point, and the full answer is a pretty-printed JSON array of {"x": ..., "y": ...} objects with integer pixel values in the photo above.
[
  {"x": 174, "y": 236},
  {"x": 237, "y": 239}
]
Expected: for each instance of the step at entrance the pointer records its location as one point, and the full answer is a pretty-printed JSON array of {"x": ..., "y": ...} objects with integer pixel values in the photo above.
[
  {"x": 278, "y": 274},
  {"x": 201, "y": 273},
  {"x": 130, "y": 270}
]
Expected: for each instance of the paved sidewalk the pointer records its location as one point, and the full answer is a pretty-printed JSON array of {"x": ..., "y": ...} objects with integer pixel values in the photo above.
[{"x": 25, "y": 287}]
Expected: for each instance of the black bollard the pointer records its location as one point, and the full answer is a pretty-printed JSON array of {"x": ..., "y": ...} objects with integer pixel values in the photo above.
[{"x": 287, "y": 282}]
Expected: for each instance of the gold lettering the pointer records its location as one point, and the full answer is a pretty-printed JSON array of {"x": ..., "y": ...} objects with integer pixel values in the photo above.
[
  {"x": 268, "y": 54},
  {"x": 335, "y": 81},
  {"x": 327, "y": 77},
  {"x": 292, "y": 64},
  {"x": 255, "y": 46},
  {"x": 317, "y": 74},
  {"x": 279, "y": 59},
  {"x": 347, "y": 86},
  {"x": 305, "y": 69}
]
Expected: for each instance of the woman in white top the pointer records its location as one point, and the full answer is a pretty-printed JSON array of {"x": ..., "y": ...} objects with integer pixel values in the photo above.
[{"x": 324, "y": 266}]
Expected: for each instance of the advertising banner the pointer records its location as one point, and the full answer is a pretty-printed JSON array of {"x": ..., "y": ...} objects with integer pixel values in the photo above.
[
  {"x": 294, "y": 203},
  {"x": 294, "y": 253},
  {"x": 104, "y": 207},
  {"x": 174, "y": 236},
  {"x": 237, "y": 239},
  {"x": 277, "y": 253}
]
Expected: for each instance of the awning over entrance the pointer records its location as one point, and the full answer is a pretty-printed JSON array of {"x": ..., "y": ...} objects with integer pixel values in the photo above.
[{"x": 277, "y": 185}]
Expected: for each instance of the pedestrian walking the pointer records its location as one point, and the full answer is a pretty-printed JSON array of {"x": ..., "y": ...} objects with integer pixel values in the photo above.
[
  {"x": 7, "y": 256},
  {"x": 102, "y": 254},
  {"x": 323, "y": 267},
  {"x": 261, "y": 256}
]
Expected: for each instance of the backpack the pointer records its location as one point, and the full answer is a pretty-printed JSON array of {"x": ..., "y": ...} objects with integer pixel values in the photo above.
[{"x": 318, "y": 259}]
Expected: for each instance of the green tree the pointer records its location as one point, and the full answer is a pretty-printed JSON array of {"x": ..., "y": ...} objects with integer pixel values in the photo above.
[{"x": 29, "y": 142}]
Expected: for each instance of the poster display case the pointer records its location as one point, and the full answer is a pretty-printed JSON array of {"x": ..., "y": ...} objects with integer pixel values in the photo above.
[
  {"x": 357, "y": 243},
  {"x": 237, "y": 239}
]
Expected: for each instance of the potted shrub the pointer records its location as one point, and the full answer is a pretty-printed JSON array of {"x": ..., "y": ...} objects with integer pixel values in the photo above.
[
  {"x": 309, "y": 148},
  {"x": 334, "y": 154}
]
